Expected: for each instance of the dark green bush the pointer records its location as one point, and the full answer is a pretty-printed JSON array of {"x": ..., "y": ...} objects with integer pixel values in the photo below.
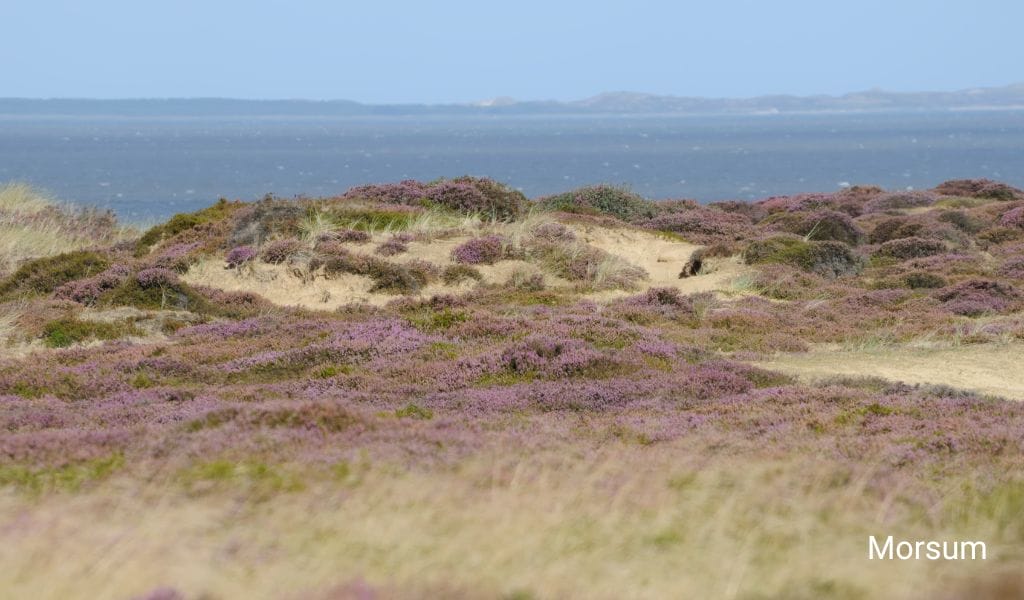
[
  {"x": 924, "y": 280},
  {"x": 44, "y": 275},
  {"x": 829, "y": 258}
]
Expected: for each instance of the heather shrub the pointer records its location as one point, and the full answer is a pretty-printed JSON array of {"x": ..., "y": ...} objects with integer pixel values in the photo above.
[
  {"x": 821, "y": 225},
  {"x": 279, "y": 251},
  {"x": 88, "y": 290},
  {"x": 899, "y": 200},
  {"x": 265, "y": 220},
  {"x": 893, "y": 229},
  {"x": 1014, "y": 267},
  {"x": 977, "y": 297},
  {"x": 529, "y": 281},
  {"x": 829, "y": 259},
  {"x": 753, "y": 211},
  {"x": 388, "y": 277},
  {"x": 785, "y": 282},
  {"x": 159, "y": 292},
  {"x": 349, "y": 235},
  {"x": 701, "y": 224},
  {"x": 923, "y": 280},
  {"x": 392, "y": 246},
  {"x": 962, "y": 221},
  {"x": 485, "y": 250},
  {"x": 978, "y": 188},
  {"x": 239, "y": 256},
  {"x": 999, "y": 235},
  {"x": 156, "y": 277},
  {"x": 455, "y": 274},
  {"x": 500, "y": 201},
  {"x": 1013, "y": 218},
  {"x": 553, "y": 232},
  {"x": 62, "y": 333},
  {"x": 406, "y": 192},
  {"x": 44, "y": 275},
  {"x": 611, "y": 200},
  {"x": 907, "y": 248}
]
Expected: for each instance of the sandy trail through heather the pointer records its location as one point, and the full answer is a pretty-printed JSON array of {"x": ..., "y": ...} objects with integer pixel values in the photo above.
[{"x": 987, "y": 368}]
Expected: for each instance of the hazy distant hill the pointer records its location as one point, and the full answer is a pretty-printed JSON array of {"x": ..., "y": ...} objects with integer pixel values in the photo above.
[{"x": 1006, "y": 97}]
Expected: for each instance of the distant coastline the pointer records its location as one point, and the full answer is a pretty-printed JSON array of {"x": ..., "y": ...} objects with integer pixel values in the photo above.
[{"x": 1010, "y": 97}]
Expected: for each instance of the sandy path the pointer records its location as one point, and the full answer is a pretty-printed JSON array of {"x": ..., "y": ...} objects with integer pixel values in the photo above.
[{"x": 986, "y": 368}]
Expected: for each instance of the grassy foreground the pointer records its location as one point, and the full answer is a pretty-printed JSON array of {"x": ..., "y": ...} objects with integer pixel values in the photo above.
[{"x": 423, "y": 390}]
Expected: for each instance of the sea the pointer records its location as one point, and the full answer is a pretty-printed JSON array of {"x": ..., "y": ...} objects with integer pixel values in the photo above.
[{"x": 148, "y": 168}]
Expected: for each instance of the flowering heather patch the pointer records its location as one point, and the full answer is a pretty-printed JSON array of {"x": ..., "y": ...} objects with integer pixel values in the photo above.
[
  {"x": 88, "y": 290},
  {"x": 353, "y": 236},
  {"x": 177, "y": 257},
  {"x": 701, "y": 224},
  {"x": 639, "y": 415},
  {"x": 485, "y": 250},
  {"x": 1013, "y": 218},
  {"x": 156, "y": 277},
  {"x": 976, "y": 297},
  {"x": 899, "y": 200},
  {"x": 910, "y": 247},
  {"x": 279, "y": 251},
  {"x": 404, "y": 192},
  {"x": 240, "y": 255},
  {"x": 394, "y": 245},
  {"x": 979, "y": 188}
]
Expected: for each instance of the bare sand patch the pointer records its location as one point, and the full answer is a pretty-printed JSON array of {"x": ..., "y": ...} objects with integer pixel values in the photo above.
[
  {"x": 986, "y": 368},
  {"x": 661, "y": 257}
]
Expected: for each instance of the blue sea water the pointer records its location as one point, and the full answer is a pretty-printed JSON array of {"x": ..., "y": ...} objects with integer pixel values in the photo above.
[{"x": 147, "y": 168}]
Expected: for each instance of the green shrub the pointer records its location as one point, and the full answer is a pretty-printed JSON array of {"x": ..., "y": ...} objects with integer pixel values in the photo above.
[
  {"x": 62, "y": 333},
  {"x": 604, "y": 200},
  {"x": 176, "y": 296},
  {"x": 44, "y": 275},
  {"x": 829, "y": 258},
  {"x": 183, "y": 222}
]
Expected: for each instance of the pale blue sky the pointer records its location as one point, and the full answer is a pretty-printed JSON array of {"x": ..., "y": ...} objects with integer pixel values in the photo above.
[{"x": 455, "y": 51}]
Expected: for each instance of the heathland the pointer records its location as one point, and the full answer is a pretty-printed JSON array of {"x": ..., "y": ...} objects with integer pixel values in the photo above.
[{"x": 445, "y": 389}]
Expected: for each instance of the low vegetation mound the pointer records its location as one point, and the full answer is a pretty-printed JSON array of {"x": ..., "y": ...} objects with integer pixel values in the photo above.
[
  {"x": 615, "y": 201},
  {"x": 828, "y": 258}
]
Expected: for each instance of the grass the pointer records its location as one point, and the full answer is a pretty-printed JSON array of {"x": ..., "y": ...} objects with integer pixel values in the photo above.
[
  {"x": 34, "y": 225},
  {"x": 541, "y": 526}
]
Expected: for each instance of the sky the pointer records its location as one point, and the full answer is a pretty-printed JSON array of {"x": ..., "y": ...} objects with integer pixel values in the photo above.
[{"x": 389, "y": 51}]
